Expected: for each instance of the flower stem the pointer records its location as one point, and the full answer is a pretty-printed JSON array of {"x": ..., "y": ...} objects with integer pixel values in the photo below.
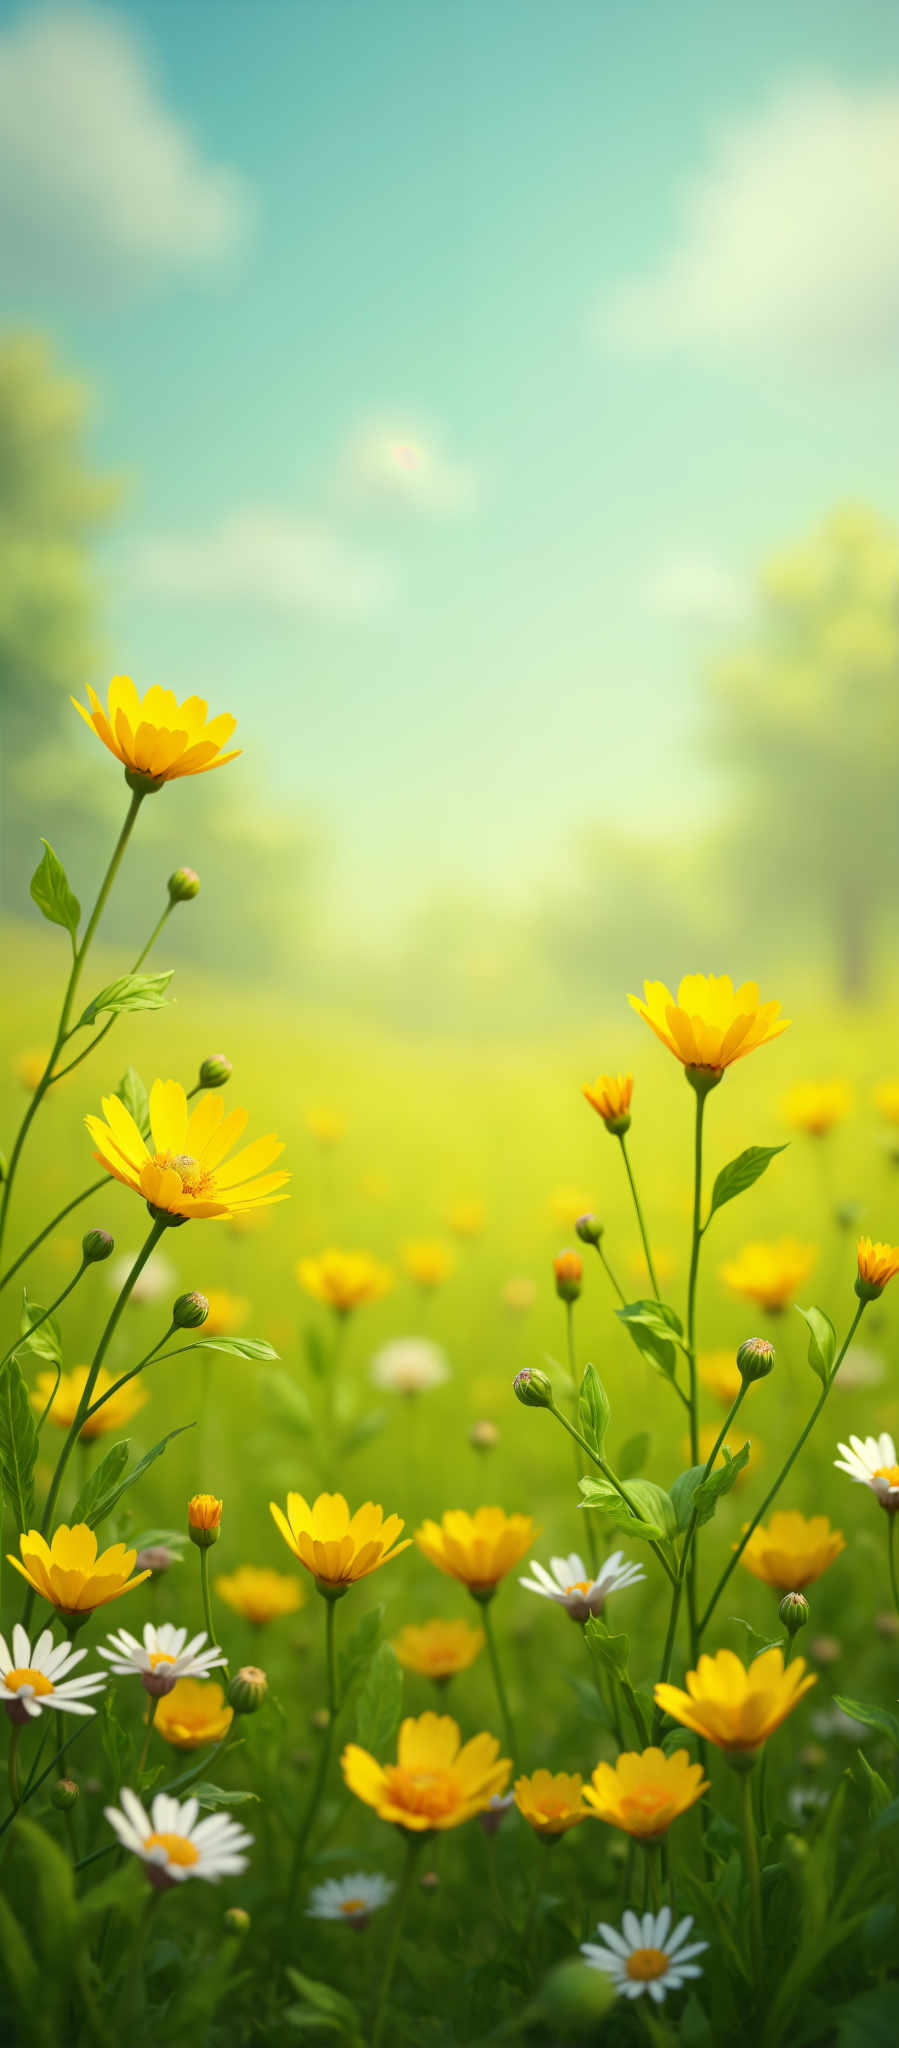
[
  {"x": 608, "y": 1474},
  {"x": 755, "y": 1884},
  {"x": 618, "y": 1290},
  {"x": 891, "y": 1553},
  {"x": 685, "y": 1554},
  {"x": 412, "y": 1848},
  {"x": 207, "y": 1601},
  {"x": 501, "y": 1694},
  {"x": 75, "y": 1203},
  {"x": 575, "y": 1410},
  {"x": 644, "y": 1236},
  {"x": 318, "y": 1785},
  {"x": 21, "y": 1342}
]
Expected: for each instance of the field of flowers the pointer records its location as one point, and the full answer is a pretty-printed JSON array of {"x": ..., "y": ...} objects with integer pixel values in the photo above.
[{"x": 457, "y": 1529}]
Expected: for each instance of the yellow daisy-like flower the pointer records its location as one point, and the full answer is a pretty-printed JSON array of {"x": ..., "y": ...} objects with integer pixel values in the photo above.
[
  {"x": 116, "y": 1413},
  {"x": 711, "y": 1024},
  {"x": 735, "y": 1708},
  {"x": 438, "y": 1649},
  {"x": 69, "y": 1573},
  {"x": 156, "y": 736},
  {"x": 720, "y": 1373},
  {"x": 793, "y": 1550},
  {"x": 336, "y": 1547},
  {"x": 769, "y": 1274},
  {"x": 227, "y": 1312},
  {"x": 644, "y": 1791},
  {"x": 436, "y": 1782},
  {"x": 193, "y": 1713},
  {"x": 344, "y": 1280},
  {"x": 428, "y": 1262},
  {"x": 259, "y": 1594},
  {"x": 551, "y": 1801},
  {"x": 815, "y": 1106},
  {"x": 478, "y": 1549},
  {"x": 886, "y": 1098},
  {"x": 877, "y": 1263},
  {"x": 466, "y": 1219},
  {"x": 610, "y": 1096},
  {"x": 326, "y": 1126},
  {"x": 188, "y": 1173}
]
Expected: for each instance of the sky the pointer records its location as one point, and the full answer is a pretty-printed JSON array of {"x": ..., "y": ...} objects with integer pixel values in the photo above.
[{"x": 463, "y": 361}]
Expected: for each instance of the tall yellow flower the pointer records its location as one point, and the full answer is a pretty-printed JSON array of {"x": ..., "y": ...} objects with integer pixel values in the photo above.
[
  {"x": 336, "y": 1547},
  {"x": 187, "y": 1174},
  {"x": 735, "y": 1708},
  {"x": 116, "y": 1413},
  {"x": 610, "y": 1096},
  {"x": 193, "y": 1713},
  {"x": 428, "y": 1262},
  {"x": 551, "y": 1801},
  {"x": 877, "y": 1263},
  {"x": 769, "y": 1274},
  {"x": 69, "y": 1573},
  {"x": 815, "y": 1106},
  {"x": 793, "y": 1551},
  {"x": 438, "y": 1649},
  {"x": 711, "y": 1024},
  {"x": 644, "y": 1791},
  {"x": 260, "y": 1595},
  {"x": 156, "y": 736},
  {"x": 344, "y": 1280},
  {"x": 436, "y": 1782},
  {"x": 478, "y": 1549}
]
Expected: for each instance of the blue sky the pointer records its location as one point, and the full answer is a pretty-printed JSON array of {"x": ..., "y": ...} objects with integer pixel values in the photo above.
[{"x": 464, "y": 360}]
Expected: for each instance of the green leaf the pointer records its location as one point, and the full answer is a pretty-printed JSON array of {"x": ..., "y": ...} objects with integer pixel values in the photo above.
[
  {"x": 128, "y": 992},
  {"x": 133, "y": 1094},
  {"x": 822, "y": 1341},
  {"x": 18, "y": 1443},
  {"x": 633, "y": 1455},
  {"x": 327, "y": 2008},
  {"x": 102, "y": 1480},
  {"x": 358, "y": 1650},
  {"x": 50, "y": 891},
  {"x": 741, "y": 1173},
  {"x": 236, "y": 1347},
  {"x": 762, "y": 1643},
  {"x": 692, "y": 1492},
  {"x": 593, "y": 1410},
  {"x": 873, "y": 1787},
  {"x": 869, "y": 2021},
  {"x": 870, "y": 1717},
  {"x": 102, "y": 1504},
  {"x": 211, "y": 1797},
  {"x": 652, "y": 1517},
  {"x": 611, "y": 1652},
  {"x": 657, "y": 1332},
  {"x": 380, "y": 1701},
  {"x": 318, "y": 1353},
  {"x": 44, "y": 1342}
]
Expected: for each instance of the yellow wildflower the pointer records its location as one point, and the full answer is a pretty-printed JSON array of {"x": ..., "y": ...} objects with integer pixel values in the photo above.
[
  {"x": 466, "y": 1219},
  {"x": 69, "y": 1573},
  {"x": 877, "y": 1263},
  {"x": 116, "y": 1413},
  {"x": 428, "y": 1262},
  {"x": 815, "y": 1106},
  {"x": 344, "y": 1280},
  {"x": 644, "y": 1791},
  {"x": 610, "y": 1096},
  {"x": 478, "y": 1549},
  {"x": 793, "y": 1551},
  {"x": 227, "y": 1312},
  {"x": 187, "y": 1173},
  {"x": 336, "y": 1547},
  {"x": 551, "y": 1801},
  {"x": 326, "y": 1126},
  {"x": 769, "y": 1274},
  {"x": 711, "y": 1024},
  {"x": 735, "y": 1708},
  {"x": 260, "y": 1595},
  {"x": 720, "y": 1373},
  {"x": 438, "y": 1649},
  {"x": 436, "y": 1782},
  {"x": 155, "y": 735},
  {"x": 193, "y": 1713}
]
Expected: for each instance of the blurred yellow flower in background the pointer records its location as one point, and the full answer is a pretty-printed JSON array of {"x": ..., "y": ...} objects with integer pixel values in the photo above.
[
  {"x": 336, "y": 1547},
  {"x": 187, "y": 1174},
  {"x": 815, "y": 1106},
  {"x": 428, "y": 1261},
  {"x": 156, "y": 736},
  {"x": 31, "y": 1066},
  {"x": 711, "y": 1024},
  {"x": 735, "y": 1708},
  {"x": 438, "y": 1649},
  {"x": 478, "y": 1549},
  {"x": 567, "y": 1204},
  {"x": 70, "y": 1573},
  {"x": 663, "y": 1260},
  {"x": 227, "y": 1312},
  {"x": 116, "y": 1413},
  {"x": 466, "y": 1219},
  {"x": 610, "y": 1096},
  {"x": 551, "y": 1801},
  {"x": 326, "y": 1126},
  {"x": 344, "y": 1280},
  {"x": 886, "y": 1098},
  {"x": 436, "y": 1782},
  {"x": 193, "y": 1713},
  {"x": 645, "y": 1790},
  {"x": 769, "y": 1274},
  {"x": 259, "y": 1594},
  {"x": 520, "y": 1293},
  {"x": 720, "y": 1373},
  {"x": 793, "y": 1551}
]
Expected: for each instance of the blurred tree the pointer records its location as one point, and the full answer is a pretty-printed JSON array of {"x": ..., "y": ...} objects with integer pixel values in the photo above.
[{"x": 807, "y": 717}]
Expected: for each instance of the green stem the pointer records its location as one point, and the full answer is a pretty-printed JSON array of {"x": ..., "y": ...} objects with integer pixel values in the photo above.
[
  {"x": 318, "y": 1786},
  {"x": 608, "y": 1474},
  {"x": 502, "y": 1697},
  {"x": 891, "y": 1553},
  {"x": 413, "y": 1845},
  {"x": 107, "y": 1027},
  {"x": 132, "y": 1375},
  {"x": 48, "y": 1229},
  {"x": 691, "y": 1344},
  {"x": 22, "y": 1342},
  {"x": 685, "y": 1554},
  {"x": 618, "y": 1289},
  {"x": 575, "y": 1397},
  {"x": 207, "y": 1601},
  {"x": 755, "y": 1884},
  {"x": 644, "y": 1236}
]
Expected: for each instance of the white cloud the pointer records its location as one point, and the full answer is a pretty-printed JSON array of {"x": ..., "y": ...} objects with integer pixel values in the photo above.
[
  {"x": 787, "y": 239},
  {"x": 404, "y": 461},
  {"x": 96, "y": 175},
  {"x": 695, "y": 589},
  {"x": 267, "y": 556}
]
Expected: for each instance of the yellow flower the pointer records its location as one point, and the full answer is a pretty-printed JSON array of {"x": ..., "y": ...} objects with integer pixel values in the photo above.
[
  {"x": 438, "y": 1649},
  {"x": 344, "y": 1280},
  {"x": 644, "y": 1791},
  {"x": 551, "y": 1801},
  {"x": 184, "y": 1175},
  {"x": 769, "y": 1274},
  {"x": 478, "y": 1549},
  {"x": 227, "y": 1312},
  {"x": 567, "y": 1204},
  {"x": 155, "y": 735},
  {"x": 886, "y": 1097},
  {"x": 194, "y": 1712},
  {"x": 610, "y": 1096},
  {"x": 325, "y": 1125},
  {"x": 428, "y": 1262},
  {"x": 720, "y": 1373},
  {"x": 735, "y": 1708},
  {"x": 712, "y": 1024},
  {"x": 466, "y": 1219},
  {"x": 115, "y": 1414},
  {"x": 204, "y": 1511},
  {"x": 793, "y": 1550},
  {"x": 877, "y": 1263},
  {"x": 259, "y": 1594},
  {"x": 335, "y": 1547},
  {"x": 815, "y": 1106},
  {"x": 435, "y": 1782},
  {"x": 69, "y": 1573}
]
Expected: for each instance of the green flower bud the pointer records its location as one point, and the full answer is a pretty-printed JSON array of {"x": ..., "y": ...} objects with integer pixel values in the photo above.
[
  {"x": 569, "y": 1271},
  {"x": 247, "y": 1689},
  {"x": 236, "y": 1920},
  {"x": 794, "y": 1612},
  {"x": 189, "y": 1311},
  {"x": 575, "y": 1996},
  {"x": 589, "y": 1230},
  {"x": 533, "y": 1387},
  {"x": 755, "y": 1359},
  {"x": 65, "y": 1795},
  {"x": 183, "y": 885},
  {"x": 96, "y": 1245},
  {"x": 215, "y": 1071}
]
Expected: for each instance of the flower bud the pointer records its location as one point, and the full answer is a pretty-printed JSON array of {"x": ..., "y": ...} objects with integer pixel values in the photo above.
[
  {"x": 155, "y": 1557},
  {"x": 589, "y": 1229},
  {"x": 189, "y": 1311},
  {"x": 247, "y": 1689},
  {"x": 533, "y": 1387},
  {"x": 568, "y": 1268},
  {"x": 429, "y": 1880},
  {"x": 575, "y": 1996},
  {"x": 703, "y": 1079},
  {"x": 236, "y": 1920},
  {"x": 319, "y": 1719},
  {"x": 96, "y": 1245},
  {"x": 794, "y": 1612},
  {"x": 215, "y": 1071},
  {"x": 755, "y": 1359},
  {"x": 183, "y": 885},
  {"x": 65, "y": 1795},
  {"x": 204, "y": 1515},
  {"x": 483, "y": 1436}
]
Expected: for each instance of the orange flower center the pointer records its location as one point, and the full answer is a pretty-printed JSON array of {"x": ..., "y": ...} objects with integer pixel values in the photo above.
[
  {"x": 40, "y": 1685},
  {"x": 194, "y": 1181},
  {"x": 429, "y": 1792},
  {"x": 352, "y": 1906},
  {"x": 579, "y": 1586},
  {"x": 160, "y": 1657},
  {"x": 888, "y": 1472},
  {"x": 645, "y": 1964},
  {"x": 177, "y": 1848},
  {"x": 647, "y": 1804}
]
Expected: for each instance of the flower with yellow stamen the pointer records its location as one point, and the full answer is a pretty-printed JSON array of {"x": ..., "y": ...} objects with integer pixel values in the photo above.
[
  {"x": 478, "y": 1549},
  {"x": 204, "y": 1512},
  {"x": 326, "y": 1126},
  {"x": 644, "y": 1791},
  {"x": 886, "y": 1098},
  {"x": 193, "y": 1713},
  {"x": 436, "y": 1782},
  {"x": 259, "y": 1594},
  {"x": 428, "y": 1262},
  {"x": 336, "y": 1547},
  {"x": 344, "y": 1280},
  {"x": 466, "y": 1219},
  {"x": 735, "y": 1708},
  {"x": 226, "y": 1314},
  {"x": 69, "y": 1572},
  {"x": 187, "y": 1173},
  {"x": 872, "y": 1461},
  {"x": 877, "y": 1263},
  {"x": 551, "y": 1801},
  {"x": 610, "y": 1096},
  {"x": 174, "y": 1842},
  {"x": 793, "y": 1551},
  {"x": 769, "y": 1274},
  {"x": 116, "y": 1412},
  {"x": 816, "y": 1106},
  {"x": 154, "y": 735},
  {"x": 711, "y": 1024},
  {"x": 720, "y": 1373},
  {"x": 438, "y": 1649}
]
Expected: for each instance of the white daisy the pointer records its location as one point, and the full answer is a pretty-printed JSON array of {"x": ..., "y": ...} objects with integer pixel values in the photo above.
[
  {"x": 35, "y": 1677},
  {"x": 164, "y": 1656},
  {"x": 644, "y": 1956},
  {"x": 569, "y": 1582},
  {"x": 158, "y": 1279},
  {"x": 872, "y": 1461},
  {"x": 174, "y": 1844},
  {"x": 409, "y": 1365},
  {"x": 351, "y": 1898}
]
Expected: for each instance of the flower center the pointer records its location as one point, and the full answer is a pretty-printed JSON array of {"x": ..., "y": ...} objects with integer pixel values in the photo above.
[
  {"x": 350, "y": 1906},
  {"x": 40, "y": 1685},
  {"x": 194, "y": 1181},
  {"x": 646, "y": 1804},
  {"x": 160, "y": 1657},
  {"x": 430, "y": 1792},
  {"x": 580, "y": 1586},
  {"x": 888, "y": 1472},
  {"x": 645, "y": 1964},
  {"x": 177, "y": 1848}
]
